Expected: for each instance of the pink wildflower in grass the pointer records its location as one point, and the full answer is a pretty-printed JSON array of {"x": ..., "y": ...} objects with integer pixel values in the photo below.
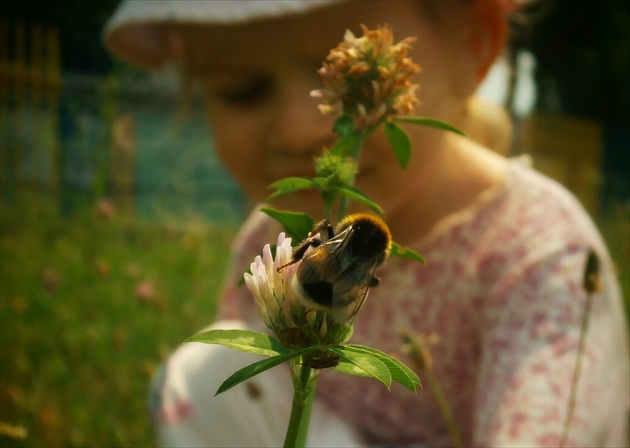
[{"x": 145, "y": 290}]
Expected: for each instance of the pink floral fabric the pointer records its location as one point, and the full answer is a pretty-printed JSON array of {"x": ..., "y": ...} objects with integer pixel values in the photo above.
[{"x": 503, "y": 291}]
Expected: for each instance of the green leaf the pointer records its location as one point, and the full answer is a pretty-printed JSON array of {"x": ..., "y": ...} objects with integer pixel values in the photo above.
[
  {"x": 292, "y": 182},
  {"x": 296, "y": 224},
  {"x": 344, "y": 127},
  {"x": 401, "y": 144},
  {"x": 431, "y": 122},
  {"x": 405, "y": 252},
  {"x": 289, "y": 185},
  {"x": 370, "y": 365},
  {"x": 258, "y": 367},
  {"x": 350, "y": 369},
  {"x": 244, "y": 340},
  {"x": 357, "y": 195},
  {"x": 399, "y": 371}
]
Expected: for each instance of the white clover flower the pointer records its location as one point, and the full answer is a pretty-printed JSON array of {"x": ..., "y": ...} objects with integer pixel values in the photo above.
[
  {"x": 272, "y": 289},
  {"x": 282, "y": 311}
]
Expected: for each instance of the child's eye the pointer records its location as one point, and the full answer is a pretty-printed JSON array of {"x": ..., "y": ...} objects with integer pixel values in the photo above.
[{"x": 246, "y": 93}]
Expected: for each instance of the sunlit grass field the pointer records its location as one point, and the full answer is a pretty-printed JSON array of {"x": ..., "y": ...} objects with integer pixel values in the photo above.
[
  {"x": 89, "y": 305},
  {"x": 92, "y": 302}
]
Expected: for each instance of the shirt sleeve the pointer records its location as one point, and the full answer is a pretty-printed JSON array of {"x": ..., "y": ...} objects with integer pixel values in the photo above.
[{"x": 529, "y": 352}]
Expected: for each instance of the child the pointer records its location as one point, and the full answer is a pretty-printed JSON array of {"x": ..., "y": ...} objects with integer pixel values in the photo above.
[{"x": 506, "y": 247}]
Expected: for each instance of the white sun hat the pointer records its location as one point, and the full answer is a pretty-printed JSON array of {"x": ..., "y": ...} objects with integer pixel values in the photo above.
[{"x": 138, "y": 31}]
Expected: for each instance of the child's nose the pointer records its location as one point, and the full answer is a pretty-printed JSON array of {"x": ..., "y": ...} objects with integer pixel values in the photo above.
[{"x": 297, "y": 126}]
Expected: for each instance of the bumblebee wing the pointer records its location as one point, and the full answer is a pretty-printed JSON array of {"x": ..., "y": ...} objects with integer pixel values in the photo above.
[
  {"x": 336, "y": 244},
  {"x": 317, "y": 275},
  {"x": 330, "y": 279},
  {"x": 351, "y": 288},
  {"x": 325, "y": 262},
  {"x": 330, "y": 257}
]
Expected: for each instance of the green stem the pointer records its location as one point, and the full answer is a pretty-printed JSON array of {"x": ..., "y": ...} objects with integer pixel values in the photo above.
[
  {"x": 355, "y": 153},
  {"x": 576, "y": 372},
  {"x": 304, "y": 385},
  {"x": 420, "y": 354},
  {"x": 445, "y": 410},
  {"x": 306, "y": 416}
]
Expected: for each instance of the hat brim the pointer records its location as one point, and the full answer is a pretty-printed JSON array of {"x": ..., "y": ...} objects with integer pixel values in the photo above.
[{"x": 137, "y": 34}]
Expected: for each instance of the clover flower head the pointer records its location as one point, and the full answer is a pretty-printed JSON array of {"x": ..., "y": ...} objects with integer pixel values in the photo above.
[
  {"x": 368, "y": 78},
  {"x": 271, "y": 288},
  {"x": 282, "y": 311}
]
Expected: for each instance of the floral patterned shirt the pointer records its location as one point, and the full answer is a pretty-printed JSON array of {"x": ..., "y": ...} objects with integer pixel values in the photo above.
[{"x": 503, "y": 291}]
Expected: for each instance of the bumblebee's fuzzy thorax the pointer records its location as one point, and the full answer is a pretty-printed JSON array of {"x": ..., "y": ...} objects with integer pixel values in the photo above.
[
  {"x": 337, "y": 266},
  {"x": 370, "y": 235}
]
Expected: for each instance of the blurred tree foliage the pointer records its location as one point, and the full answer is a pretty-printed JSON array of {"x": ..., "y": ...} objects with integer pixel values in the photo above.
[{"x": 583, "y": 56}]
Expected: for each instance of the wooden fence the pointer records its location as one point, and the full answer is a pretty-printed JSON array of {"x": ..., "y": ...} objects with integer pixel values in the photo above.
[
  {"x": 30, "y": 87},
  {"x": 79, "y": 137}
]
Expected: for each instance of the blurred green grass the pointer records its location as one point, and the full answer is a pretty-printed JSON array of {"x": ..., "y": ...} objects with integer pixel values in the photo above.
[{"x": 89, "y": 306}]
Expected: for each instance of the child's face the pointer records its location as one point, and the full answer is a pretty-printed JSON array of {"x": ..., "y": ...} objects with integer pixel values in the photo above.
[{"x": 257, "y": 77}]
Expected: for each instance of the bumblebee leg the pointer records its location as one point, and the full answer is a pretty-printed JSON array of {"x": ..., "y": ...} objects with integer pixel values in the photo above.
[
  {"x": 310, "y": 241},
  {"x": 323, "y": 227},
  {"x": 329, "y": 230},
  {"x": 298, "y": 253}
]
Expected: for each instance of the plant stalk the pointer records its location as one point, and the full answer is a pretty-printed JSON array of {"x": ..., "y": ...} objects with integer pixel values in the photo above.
[
  {"x": 591, "y": 284},
  {"x": 355, "y": 153},
  {"x": 445, "y": 410},
  {"x": 577, "y": 371},
  {"x": 304, "y": 385},
  {"x": 419, "y": 352}
]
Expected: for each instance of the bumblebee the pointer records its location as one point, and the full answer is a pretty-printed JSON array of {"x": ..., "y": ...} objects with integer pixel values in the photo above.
[{"x": 340, "y": 267}]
